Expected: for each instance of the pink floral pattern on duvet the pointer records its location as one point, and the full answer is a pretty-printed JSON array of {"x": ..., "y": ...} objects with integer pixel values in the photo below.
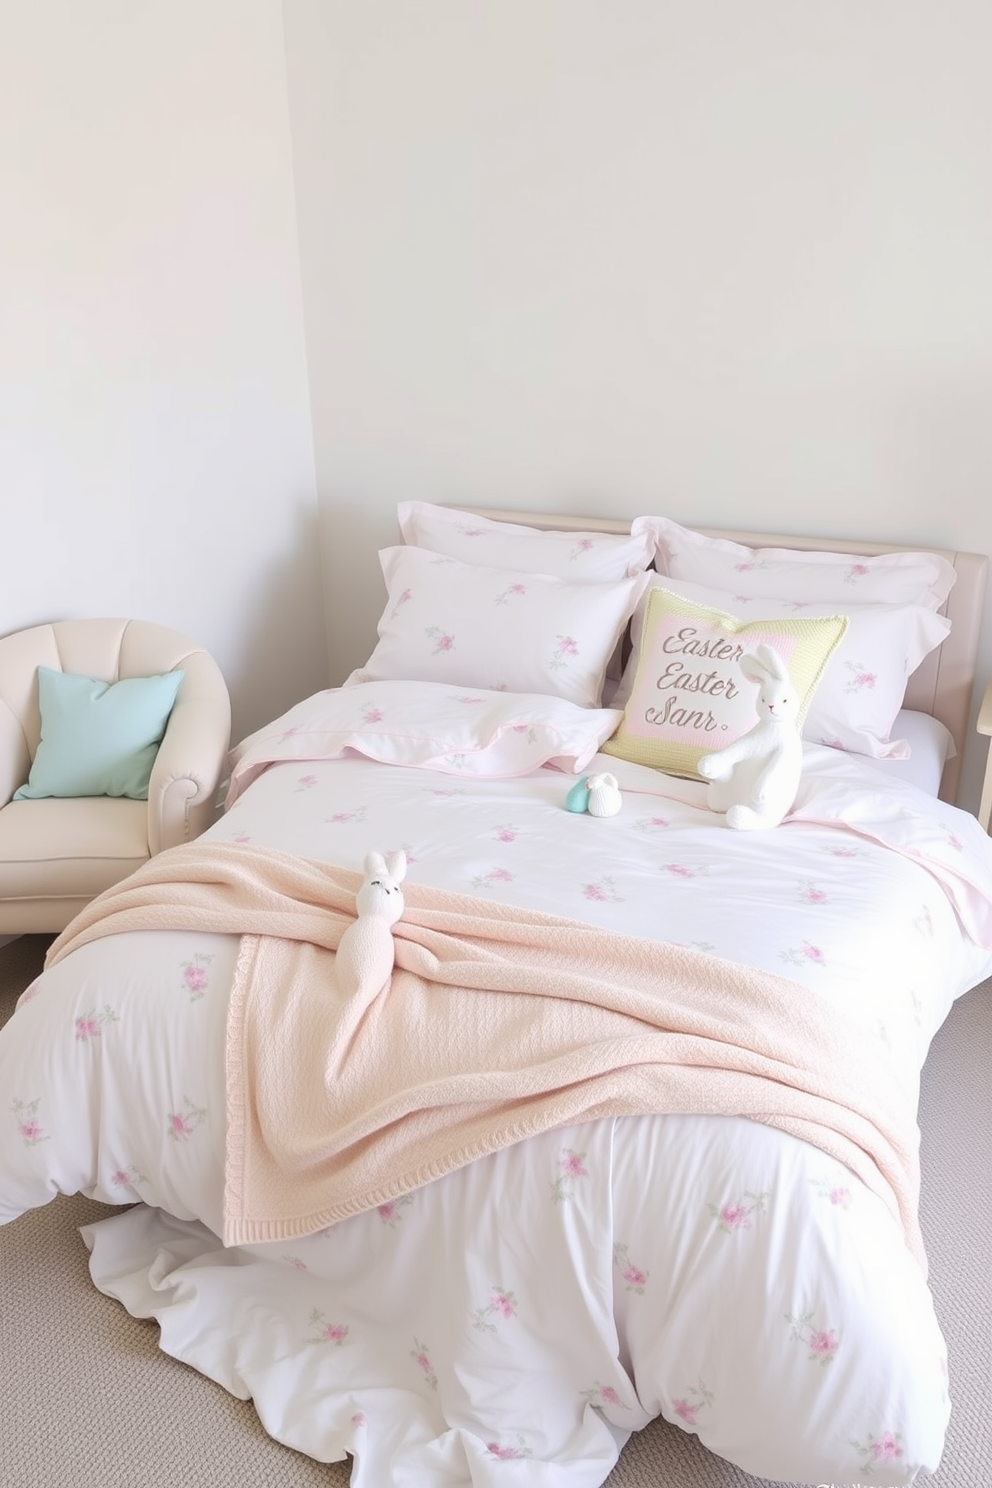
[
  {"x": 28, "y": 1125},
  {"x": 695, "y": 1399},
  {"x": 804, "y": 954},
  {"x": 836, "y": 1191},
  {"x": 90, "y": 1025},
  {"x": 634, "y": 1278},
  {"x": 30, "y": 992},
  {"x": 602, "y": 891},
  {"x": 491, "y": 878},
  {"x": 195, "y": 976},
  {"x": 573, "y": 1168},
  {"x": 502, "y": 1305},
  {"x": 602, "y": 1395},
  {"x": 421, "y": 1356},
  {"x": 181, "y": 1125},
  {"x": 127, "y": 1177},
  {"x": 821, "y": 1342},
  {"x": 506, "y": 1453},
  {"x": 323, "y": 1331},
  {"x": 812, "y": 893},
  {"x": 512, "y": 592},
  {"x": 737, "y": 1214},
  {"x": 389, "y": 1213},
  {"x": 886, "y": 1446}
]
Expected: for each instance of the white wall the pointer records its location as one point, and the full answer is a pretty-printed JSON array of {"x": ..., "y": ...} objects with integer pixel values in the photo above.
[
  {"x": 726, "y": 261},
  {"x": 156, "y": 454}
]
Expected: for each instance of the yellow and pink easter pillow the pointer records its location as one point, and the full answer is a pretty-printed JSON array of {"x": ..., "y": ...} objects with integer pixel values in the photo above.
[{"x": 689, "y": 696}]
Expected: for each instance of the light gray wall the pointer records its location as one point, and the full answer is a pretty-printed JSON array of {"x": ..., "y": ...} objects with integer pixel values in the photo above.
[
  {"x": 725, "y": 261},
  {"x": 156, "y": 454}
]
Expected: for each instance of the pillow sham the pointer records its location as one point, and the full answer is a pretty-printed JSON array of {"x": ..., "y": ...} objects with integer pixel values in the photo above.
[
  {"x": 931, "y": 745},
  {"x": 505, "y": 631},
  {"x": 98, "y": 738},
  {"x": 581, "y": 557},
  {"x": 780, "y": 573},
  {"x": 862, "y": 689},
  {"x": 689, "y": 697},
  {"x": 429, "y": 724}
]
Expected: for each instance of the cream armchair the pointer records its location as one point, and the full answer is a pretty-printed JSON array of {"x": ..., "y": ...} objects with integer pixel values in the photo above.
[{"x": 56, "y": 853}]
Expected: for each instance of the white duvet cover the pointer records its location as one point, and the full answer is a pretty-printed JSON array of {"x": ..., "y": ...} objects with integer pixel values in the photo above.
[{"x": 513, "y": 1322}]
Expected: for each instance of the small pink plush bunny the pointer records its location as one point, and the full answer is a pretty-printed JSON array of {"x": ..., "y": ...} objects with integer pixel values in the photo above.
[
  {"x": 755, "y": 779},
  {"x": 366, "y": 951}
]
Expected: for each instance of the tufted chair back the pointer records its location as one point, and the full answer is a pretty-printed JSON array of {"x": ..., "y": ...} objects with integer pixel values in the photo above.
[{"x": 55, "y": 853}]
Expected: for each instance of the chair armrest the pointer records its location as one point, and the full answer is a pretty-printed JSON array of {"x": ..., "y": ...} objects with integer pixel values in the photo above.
[
  {"x": 15, "y": 761},
  {"x": 984, "y": 726},
  {"x": 191, "y": 761}
]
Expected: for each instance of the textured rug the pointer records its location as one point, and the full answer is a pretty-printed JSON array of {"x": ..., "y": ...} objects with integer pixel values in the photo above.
[{"x": 88, "y": 1401}]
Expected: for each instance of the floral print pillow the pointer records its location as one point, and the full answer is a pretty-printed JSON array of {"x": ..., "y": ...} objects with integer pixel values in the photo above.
[
  {"x": 579, "y": 557},
  {"x": 494, "y": 628},
  {"x": 818, "y": 577},
  {"x": 457, "y": 731}
]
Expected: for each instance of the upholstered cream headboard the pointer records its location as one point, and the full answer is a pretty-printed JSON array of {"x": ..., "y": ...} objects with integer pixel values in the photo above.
[{"x": 941, "y": 686}]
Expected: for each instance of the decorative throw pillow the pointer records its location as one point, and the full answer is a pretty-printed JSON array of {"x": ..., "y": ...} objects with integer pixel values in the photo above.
[
  {"x": 783, "y": 573},
  {"x": 580, "y": 557},
  {"x": 98, "y": 738},
  {"x": 494, "y": 628},
  {"x": 863, "y": 686},
  {"x": 463, "y": 731},
  {"x": 689, "y": 696}
]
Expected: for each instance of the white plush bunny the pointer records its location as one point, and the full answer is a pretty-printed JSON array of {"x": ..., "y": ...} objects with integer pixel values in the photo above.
[
  {"x": 366, "y": 952},
  {"x": 755, "y": 779},
  {"x": 604, "y": 795}
]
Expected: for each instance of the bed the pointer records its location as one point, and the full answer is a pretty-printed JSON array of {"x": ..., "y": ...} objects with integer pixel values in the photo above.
[{"x": 631, "y": 1129}]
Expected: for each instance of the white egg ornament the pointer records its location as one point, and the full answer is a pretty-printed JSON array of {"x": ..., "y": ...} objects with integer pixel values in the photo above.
[{"x": 604, "y": 795}]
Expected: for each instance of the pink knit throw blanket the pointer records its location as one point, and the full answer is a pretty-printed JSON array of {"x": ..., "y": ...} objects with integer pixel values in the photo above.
[{"x": 498, "y": 1022}]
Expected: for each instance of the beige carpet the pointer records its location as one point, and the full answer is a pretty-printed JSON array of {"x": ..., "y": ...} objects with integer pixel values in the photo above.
[{"x": 87, "y": 1400}]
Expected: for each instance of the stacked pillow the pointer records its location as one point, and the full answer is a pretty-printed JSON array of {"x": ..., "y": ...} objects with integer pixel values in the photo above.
[
  {"x": 477, "y": 603},
  {"x": 499, "y": 606},
  {"x": 456, "y": 731},
  {"x": 905, "y": 578},
  {"x": 889, "y": 603},
  {"x": 579, "y": 557}
]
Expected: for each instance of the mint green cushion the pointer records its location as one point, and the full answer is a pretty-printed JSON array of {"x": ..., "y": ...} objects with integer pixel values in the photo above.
[{"x": 98, "y": 738}]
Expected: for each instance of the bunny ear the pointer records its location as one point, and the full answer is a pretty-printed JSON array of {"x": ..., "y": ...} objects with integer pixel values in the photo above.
[
  {"x": 753, "y": 667},
  {"x": 375, "y": 865},
  {"x": 773, "y": 662},
  {"x": 396, "y": 865},
  {"x": 763, "y": 663}
]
